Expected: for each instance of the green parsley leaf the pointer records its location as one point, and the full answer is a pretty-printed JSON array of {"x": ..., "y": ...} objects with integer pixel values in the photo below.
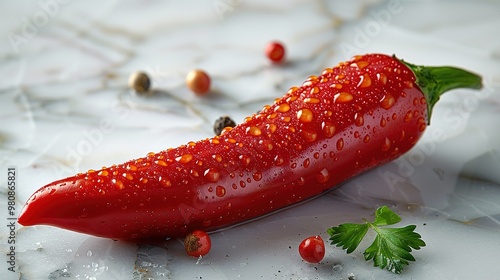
[
  {"x": 391, "y": 247},
  {"x": 384, "y": 216},
  {"x": 348, "y": 235}
]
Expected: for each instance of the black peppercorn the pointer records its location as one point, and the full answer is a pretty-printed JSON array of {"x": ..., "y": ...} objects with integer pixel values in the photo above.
[
  {"x": 139, "y": 81},
  {"x": 221, "y": 123}
]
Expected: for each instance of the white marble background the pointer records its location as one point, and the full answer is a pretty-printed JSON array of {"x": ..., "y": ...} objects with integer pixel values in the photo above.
[{"x": 64, "y": 67}]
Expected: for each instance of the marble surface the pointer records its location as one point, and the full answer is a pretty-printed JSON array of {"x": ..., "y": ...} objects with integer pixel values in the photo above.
[{"x": 64, "y": 68}]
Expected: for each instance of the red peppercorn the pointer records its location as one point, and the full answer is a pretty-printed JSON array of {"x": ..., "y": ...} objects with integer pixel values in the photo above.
[
  {"x": 312, "y": 249},
  {"x": 198, "y": 81},
  {"x": 197, "y": 243},
  {"x": 275, "y": 51}
]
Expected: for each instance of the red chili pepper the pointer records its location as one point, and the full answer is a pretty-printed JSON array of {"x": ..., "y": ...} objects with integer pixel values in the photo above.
[{"x": 353, "y": 117}]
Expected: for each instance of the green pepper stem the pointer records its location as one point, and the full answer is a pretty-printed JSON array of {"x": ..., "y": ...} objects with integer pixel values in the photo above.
[{"x": 436, "y": 80}]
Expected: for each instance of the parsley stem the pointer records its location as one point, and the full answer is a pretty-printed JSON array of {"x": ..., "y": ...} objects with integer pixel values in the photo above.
[{"x": 373, "y": 226}]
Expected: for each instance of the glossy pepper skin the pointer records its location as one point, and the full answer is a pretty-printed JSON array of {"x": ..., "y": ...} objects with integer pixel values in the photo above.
[{"x": 353, "y": 117}]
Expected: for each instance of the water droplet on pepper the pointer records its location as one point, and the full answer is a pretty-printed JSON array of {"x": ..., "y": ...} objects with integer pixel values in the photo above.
[
  {"x": 342, "y": 97},
  {"x": 271, "y": 127},
  {"x": 408, "y": 116},
  {"x": 309, "y": 136},
  {"x": 383, "y": 122},
  {"x": 257, "y": 176},
  {"x": 212, "y": 175},
  {"x": 314, "y": 90},
  {"x": 382, "y": 78},
  {"x": 266, "y": 144},
  {"x": 245, "y": 159},
  {"x": 328, "y": 129},
  {"x": 132, "y": 167},
  {"x": 387, "y": 101},
  {"x": 386, "y": 145},
  {"x": 311, "y": 100},
  {"x": 323, "y": 176},
  {"x": 166, "y": 182},
  {"x": 217, "y": 158},
  {"x": 119, "y": 184},
  {"x": 253, "y": 130},
  {"x": 283, "y": 108},
  {"x": 305, "y": 115},
  {"x": 278, "y": 160},
  {"x": 362, "y": 64},
  {"x": 220, "y": 191},
  {"x": 359, "y": 120},
  {"x": 185, "y": 158},
  {"x": 365, "y": 81},
  {"x": 340, "y": 144},
  {"x": 306, "y": 163}
]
